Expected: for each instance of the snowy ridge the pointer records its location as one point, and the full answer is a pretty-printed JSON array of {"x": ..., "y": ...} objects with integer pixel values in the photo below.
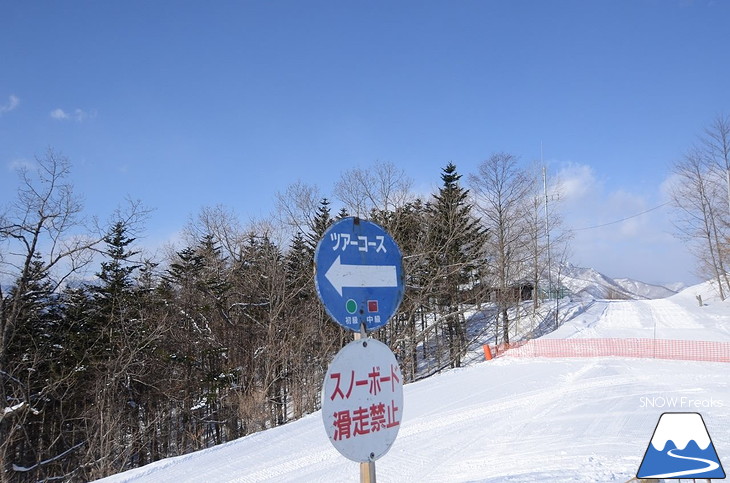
[
  {"x": 587, "y": 283},
  {"x": 706, "y": 291},
  {"x": 644, "y": 290},
  {"x": 676, "y": 286}
]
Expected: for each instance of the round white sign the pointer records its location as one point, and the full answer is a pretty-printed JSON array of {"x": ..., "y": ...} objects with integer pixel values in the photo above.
[{"x": 362, "y": 400}]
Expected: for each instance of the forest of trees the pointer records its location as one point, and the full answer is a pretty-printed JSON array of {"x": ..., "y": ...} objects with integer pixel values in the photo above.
[{"x": 110, "y": 359}]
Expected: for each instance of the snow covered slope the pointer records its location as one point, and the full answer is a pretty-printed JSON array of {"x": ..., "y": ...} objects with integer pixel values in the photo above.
[
  {"x": 508, "y": 420},
  {"x": 511, "y": 420},
  {"x": 677, "y": 317}
]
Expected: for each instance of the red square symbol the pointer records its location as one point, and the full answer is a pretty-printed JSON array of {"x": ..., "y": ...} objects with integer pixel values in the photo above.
[{"x": 372, "y": 305}]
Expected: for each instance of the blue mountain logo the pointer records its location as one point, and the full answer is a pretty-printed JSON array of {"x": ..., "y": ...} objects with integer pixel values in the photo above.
[{"x": 681, "y": 448}]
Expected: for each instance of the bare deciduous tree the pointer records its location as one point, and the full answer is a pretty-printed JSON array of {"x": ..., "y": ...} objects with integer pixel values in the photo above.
[
  {"x": 503, "y": 192},
  {"x": 42, "y": 246},
  {"x": 698, "y": 195},
  {"x": 297, "y": 206},
  {"x": 383, "y": 187},
  {"x": 716, "y": 144}
]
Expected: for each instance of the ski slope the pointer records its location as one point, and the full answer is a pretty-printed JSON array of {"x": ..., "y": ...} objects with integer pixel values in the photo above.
[
  {"x": 511, "y": 420},
  {"x": 677, "y": 317}
]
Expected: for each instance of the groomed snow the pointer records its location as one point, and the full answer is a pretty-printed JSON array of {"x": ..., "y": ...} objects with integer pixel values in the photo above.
[
  {"x": 679, "y": 317},
  {"x": 510, "y": 420}
]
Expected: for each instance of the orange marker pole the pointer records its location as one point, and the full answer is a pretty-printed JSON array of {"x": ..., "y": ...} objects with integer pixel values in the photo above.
[{"x": 487, "y": 353}]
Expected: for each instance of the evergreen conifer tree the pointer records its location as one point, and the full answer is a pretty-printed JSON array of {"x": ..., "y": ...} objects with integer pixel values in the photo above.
[
  {"x": 117, "y": 341},
  {"x": 299, "y": 267},
  {"x": 322, "y": 220},
  {"x": 456, "y": 240},
  {"x": 116, "y": 271},
  {"x": 31, "y": 353},
  {"x": 342, "y": 213}
]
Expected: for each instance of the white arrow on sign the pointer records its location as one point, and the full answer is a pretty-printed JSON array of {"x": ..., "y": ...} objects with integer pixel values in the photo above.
[{"x": 340, "y": 276}]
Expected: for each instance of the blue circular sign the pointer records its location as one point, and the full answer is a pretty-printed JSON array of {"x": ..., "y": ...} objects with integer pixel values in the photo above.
[{"x": 359, "y": 274}]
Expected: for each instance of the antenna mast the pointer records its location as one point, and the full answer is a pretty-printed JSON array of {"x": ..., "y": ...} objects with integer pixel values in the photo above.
[
  {"x": 547, "y": 232},
  {"x": 547, "y": 220}
]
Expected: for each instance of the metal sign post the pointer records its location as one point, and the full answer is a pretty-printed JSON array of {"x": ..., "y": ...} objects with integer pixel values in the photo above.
[{"x": 367, "y": 470}]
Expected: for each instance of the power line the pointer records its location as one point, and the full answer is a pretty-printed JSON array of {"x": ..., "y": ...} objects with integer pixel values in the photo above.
[{"x": 623, "y": 219}]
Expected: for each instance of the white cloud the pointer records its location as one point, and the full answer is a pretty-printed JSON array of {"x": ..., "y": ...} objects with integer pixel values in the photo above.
[
  {"x": 576, "y": 181},
  {"x": 13, "y": 102},
  {"x": 21, "y": 164},
  {"x": 670, "y": 183},
  {"x": 622, "y": 205},
  {"x": 59, "y": 114},
  {"x": 78, "y": 115},
  {"x": 618, "y": 231},
  {"x": 81, "y": 115},
  {"x": 618, "y": 216}
]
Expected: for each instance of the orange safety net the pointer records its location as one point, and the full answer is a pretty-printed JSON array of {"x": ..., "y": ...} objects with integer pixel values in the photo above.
[{"x": 685, "y": 350}]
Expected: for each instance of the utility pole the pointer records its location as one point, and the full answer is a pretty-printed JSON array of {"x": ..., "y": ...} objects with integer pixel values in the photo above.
[
  {"x": 727, "y": 171},
  {"x": 547, "y": 218},
  {"x": 547, "y": 230},
  {"x": 547, "y": 235}
]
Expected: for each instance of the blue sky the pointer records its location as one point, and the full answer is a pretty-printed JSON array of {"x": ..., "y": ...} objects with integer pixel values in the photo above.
[{"x": 189, "y": 104}]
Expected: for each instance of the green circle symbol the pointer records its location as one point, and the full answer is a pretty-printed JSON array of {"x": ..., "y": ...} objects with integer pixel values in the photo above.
[{"x": 351, "y": 306}]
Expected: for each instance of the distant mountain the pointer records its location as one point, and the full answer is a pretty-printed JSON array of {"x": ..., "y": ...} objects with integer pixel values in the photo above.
[
  {"x": 645, "y": 290},
  {"x": 676, "y": 286},
  {"x": 588, "y": 283}
]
